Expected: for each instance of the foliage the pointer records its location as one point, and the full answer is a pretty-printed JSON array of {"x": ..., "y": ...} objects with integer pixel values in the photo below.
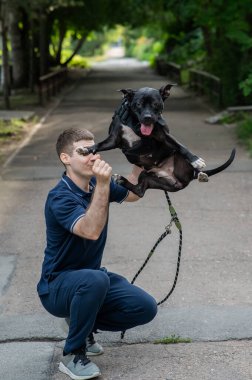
[
  {"x": 94, "y": 44},
  {"x": 226, "y": 29},
  {"x": 189, "y": 48},
  {"x": 243, "y": 123},
  {"x": 144, "y": 43},
  {"x": 232, "y": 118},
  {"x": 244, "y": 132},
  {"x": 215, "y": 35},
  {"x": 79, "y": 62},
  {"x": 246, "y": 85}
]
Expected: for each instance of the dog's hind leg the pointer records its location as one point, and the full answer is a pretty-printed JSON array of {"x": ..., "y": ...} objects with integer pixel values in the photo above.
[
  {"x": 136, "y": 189},
  {"x": 148, "y": 180}
]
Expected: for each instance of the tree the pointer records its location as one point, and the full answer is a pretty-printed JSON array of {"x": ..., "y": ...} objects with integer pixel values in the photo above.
[
  {"x": 226, "y": 27},
  {"x": 5, "y": 55},
  {"x": 36, "y": 25},
  {"x": 81, "y": 19},
  {"x": 18, "y": 38}
]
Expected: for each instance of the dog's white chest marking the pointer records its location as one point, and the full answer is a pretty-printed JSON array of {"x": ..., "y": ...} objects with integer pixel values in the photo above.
[{"x": 129, "y": 135}]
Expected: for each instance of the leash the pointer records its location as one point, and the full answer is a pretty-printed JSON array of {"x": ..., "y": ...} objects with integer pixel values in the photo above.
[
  {"x": 123, "y": 113},
  {"x": 175, "y": 220}
]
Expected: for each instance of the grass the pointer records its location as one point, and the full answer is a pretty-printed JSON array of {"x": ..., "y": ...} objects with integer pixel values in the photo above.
[
  {"x": 173, "y": 339},
  {"x": 21, "y": 99},
  {"x": 11, "y": 133},
  {"x": 11, "y": 129},
  {"x": 232, "y": 117}
]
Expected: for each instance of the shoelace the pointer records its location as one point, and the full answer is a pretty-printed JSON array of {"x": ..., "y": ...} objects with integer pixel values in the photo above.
[
  {"x": 81, "y": 356},
  {"x": 90, "y": 339}
]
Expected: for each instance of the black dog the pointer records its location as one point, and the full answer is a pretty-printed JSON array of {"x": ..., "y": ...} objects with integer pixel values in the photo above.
[{"x": 140, "y": 131}]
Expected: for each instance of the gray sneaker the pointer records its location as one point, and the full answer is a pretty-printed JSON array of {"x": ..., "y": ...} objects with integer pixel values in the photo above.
[
  {"x": 79, "y": 367},
  {"x": 92, "y": 347}
]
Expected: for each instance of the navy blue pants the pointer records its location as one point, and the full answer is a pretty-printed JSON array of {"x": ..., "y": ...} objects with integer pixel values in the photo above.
[{"x": 97, "y": 299}]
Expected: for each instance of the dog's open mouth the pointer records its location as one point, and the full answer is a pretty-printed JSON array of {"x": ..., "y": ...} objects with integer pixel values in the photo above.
[{"x": 146, "y": 129}]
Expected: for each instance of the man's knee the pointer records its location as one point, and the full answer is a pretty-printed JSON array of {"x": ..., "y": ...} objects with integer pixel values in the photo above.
[
  {"x": 145, "y": 309},
  {"x": 150, "y": 309},
  {"x": 95, "y": 280}
]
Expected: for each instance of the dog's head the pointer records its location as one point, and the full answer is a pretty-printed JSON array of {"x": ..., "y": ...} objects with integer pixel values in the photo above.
[{"x": 147, "y": 104}]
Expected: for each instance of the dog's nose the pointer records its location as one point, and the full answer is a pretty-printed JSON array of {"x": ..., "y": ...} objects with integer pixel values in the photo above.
[{"x": 147, "y": 119}]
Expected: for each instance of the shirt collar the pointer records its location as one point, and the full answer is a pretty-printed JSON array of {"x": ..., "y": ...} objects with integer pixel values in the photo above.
[{"x": 76, "y": 189}]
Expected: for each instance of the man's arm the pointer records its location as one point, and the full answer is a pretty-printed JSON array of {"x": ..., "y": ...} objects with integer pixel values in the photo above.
[
  {"x": 92, "y": 223},
  {"x": 133, "y": 178}
]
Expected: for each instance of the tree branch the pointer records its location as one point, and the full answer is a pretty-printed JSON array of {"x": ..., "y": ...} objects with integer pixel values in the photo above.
[
  {"x": 62, "y": 33},
  {"x": 77, "y": 48}
]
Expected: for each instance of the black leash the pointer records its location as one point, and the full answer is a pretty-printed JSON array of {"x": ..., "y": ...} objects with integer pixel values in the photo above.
[{"x": 175, "y": 220}]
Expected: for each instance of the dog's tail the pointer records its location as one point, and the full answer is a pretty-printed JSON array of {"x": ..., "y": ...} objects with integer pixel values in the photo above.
[{"x": 219, "y": 168}]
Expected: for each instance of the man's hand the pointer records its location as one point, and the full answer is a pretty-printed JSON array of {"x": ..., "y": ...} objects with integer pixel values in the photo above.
[
  {"x": 102, "y": 171},
  {"x": 91, "y": 226}
]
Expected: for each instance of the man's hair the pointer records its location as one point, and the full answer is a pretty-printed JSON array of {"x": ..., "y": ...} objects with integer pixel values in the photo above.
[{"x": 67, "y": 138}]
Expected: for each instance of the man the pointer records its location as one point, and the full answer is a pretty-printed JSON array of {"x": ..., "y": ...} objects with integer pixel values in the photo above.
[{"x": 73, "y": 285}]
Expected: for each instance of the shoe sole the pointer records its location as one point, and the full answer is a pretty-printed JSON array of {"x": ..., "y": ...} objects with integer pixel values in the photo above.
[
  {"x": 90, "y": 353},
  {"x": 66, "y": 371}
]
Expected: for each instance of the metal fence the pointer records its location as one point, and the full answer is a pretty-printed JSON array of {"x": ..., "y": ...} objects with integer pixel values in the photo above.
[
  {"x": 170, "y": 69},
  {"x": 50, "y": 84},
  {"x": 204, "y": 83}
]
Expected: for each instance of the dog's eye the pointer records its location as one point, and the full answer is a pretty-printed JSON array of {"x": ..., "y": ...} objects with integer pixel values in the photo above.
[
  {"x": 156, "y": 105},
  {"x": 138, "y": 104}
]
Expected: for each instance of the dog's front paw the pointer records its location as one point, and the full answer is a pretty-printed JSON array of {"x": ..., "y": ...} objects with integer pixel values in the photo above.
[
  {"x": 199, "y": 163},
  {"x": 83, "y": 151},
  {"x": 118, "y": 179}
]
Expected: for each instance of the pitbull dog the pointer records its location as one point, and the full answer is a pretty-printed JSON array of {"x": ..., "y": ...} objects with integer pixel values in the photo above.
[{"x": 140, "y": 131}]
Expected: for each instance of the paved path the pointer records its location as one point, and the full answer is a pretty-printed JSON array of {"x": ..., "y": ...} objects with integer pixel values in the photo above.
[{"x": 212, "y": 303}]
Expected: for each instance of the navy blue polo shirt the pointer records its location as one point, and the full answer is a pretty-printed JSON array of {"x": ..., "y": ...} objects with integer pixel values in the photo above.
[{"x": 66, "y": 204}]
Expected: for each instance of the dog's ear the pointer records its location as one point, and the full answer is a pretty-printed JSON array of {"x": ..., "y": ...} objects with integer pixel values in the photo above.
[
  {"x": 165, "y": 90},
  {"x": 128, "y": 93}
]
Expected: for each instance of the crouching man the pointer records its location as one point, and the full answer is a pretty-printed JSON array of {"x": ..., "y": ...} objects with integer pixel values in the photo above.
[{"x": 73, "y": 284}]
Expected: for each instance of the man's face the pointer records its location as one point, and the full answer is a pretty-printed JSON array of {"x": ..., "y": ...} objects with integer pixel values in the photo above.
[{"x": 78, "y": 164}]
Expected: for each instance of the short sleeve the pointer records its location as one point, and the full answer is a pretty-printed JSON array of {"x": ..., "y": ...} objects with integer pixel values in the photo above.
[
  {"x": 118, "y": 193},
  {"x": 66, "y": 210}
]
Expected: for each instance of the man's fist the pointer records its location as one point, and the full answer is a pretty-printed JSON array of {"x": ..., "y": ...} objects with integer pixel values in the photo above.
[{"x": 102, "y": 171}]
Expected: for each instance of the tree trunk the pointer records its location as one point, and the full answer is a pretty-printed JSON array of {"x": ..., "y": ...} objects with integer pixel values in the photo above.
[
  {"x": 17, "y": 48},
  {"x": 31, "y": 55},
  {"x": 208, "y": 41},
  {"x": 79, "y": 45},
  {"x": 5, "y": 67},
  {"x": 43, "y": 48}
]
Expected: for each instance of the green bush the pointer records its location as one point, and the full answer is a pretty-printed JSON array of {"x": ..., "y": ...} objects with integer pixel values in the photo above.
[
  {"x": 244, "y": 132},
  {"x": 143, "y": 43},
  {"x": 246, "y": 85},
  {"x": 189, "y": 48},
  {"x": 79, "y": 62}
]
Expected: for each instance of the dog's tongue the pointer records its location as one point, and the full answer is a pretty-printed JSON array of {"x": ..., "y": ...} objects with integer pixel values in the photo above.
[{"x": 146, "y": 129}]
